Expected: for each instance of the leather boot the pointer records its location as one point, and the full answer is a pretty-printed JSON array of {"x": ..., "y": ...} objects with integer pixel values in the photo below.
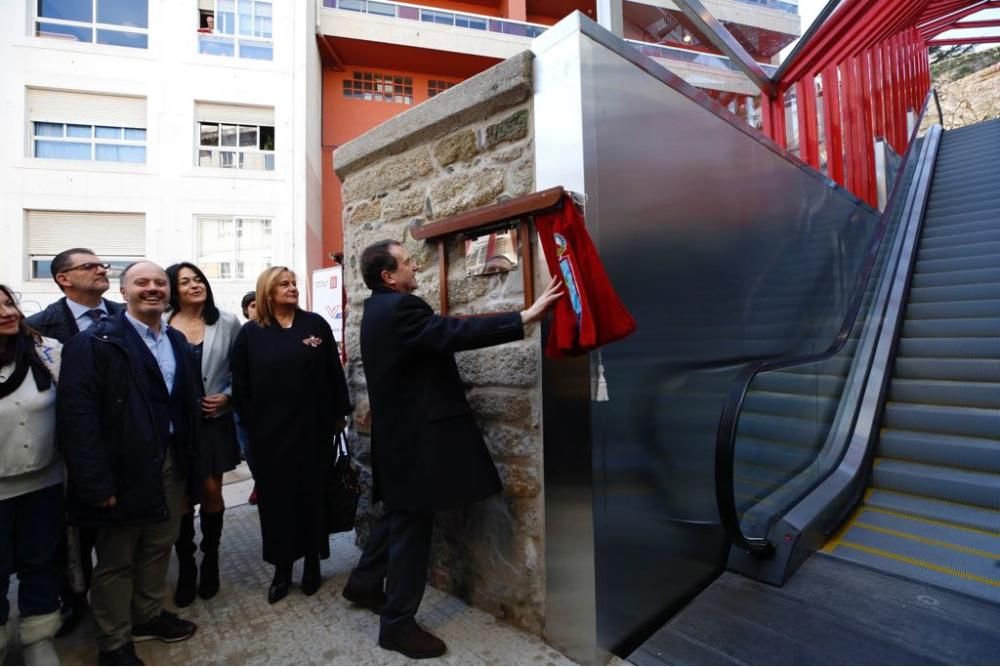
[
  {"x": 411, "y": 640},
  {"x": 281, "y": 582},
  {"x": 37, "y": 633},
  {"x": 187, "y": 571},
  {"x": 311, "y": 578},
  {"x": 211, "y": 535},
  {"x": 3, "y": 643}
]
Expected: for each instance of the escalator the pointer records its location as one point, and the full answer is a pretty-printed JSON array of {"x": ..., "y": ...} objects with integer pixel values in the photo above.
[
  {"x": 932, "y": 512},
  {"x": 864, "y": 481}
]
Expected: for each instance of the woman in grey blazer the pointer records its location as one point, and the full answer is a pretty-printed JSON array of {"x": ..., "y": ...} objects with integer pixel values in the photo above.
[{"x": 211, "y": 333}]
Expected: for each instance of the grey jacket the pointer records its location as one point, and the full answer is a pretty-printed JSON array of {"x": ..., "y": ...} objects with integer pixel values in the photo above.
[{"x": 219, "y": 339}]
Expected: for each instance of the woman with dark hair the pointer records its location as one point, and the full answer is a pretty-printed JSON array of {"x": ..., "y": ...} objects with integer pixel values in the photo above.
[
  {"x": 211, "y": 333},
  {"x": 31, "y": 483},
  {"x": 291, "y": 396}
]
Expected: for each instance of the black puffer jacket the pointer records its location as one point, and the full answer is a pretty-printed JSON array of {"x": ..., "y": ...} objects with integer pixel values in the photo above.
[{"x": 107, "y": 429}]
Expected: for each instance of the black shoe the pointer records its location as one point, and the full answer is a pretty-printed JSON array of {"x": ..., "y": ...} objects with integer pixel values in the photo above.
[
  {"x": 371, "y": 600},
  {"x": 311, "y": 579},
  {"x": 123, "y": 655},
  {"x": 279, "y": 585},
  {"x": 73, "y": 609},
  {"x": 412, "y": 641},
  {"x": 166, "y": 627}
]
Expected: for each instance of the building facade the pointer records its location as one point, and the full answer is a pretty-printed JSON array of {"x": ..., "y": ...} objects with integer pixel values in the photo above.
[
  {"x": 160, "y": 129},
  {"x": 204, "y": 130}
]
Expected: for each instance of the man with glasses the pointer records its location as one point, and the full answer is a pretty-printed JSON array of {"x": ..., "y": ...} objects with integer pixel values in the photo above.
[{"x": 83, "y": 279}]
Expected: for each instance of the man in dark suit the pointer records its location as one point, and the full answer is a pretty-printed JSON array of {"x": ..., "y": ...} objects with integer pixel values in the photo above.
[
  {"x": 125, "y": 417},
  {"x": 427, "y": 451},
  {"x": 83, "y": 279}
]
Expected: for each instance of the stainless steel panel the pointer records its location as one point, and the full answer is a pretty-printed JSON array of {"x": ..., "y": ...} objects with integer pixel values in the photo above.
[{"x": 723, "y": 249}]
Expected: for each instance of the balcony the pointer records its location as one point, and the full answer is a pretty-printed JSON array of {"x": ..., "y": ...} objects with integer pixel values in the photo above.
[
  {"x": 438, "y": 16},
  {"x": 703, "y": 70}
]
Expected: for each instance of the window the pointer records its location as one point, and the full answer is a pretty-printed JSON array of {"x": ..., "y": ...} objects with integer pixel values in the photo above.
[
  {"x": 86, "y": 126},
  {"x": 233, "y": 247},
  {"x": 240, "y": 28},
  {"x": 117, "y": 238},
  {"x": 434, "y": 87},
  {"x": 379, "y": 88},
  {"x": 235, "y": 137},
  {"x": 89, "y": 142},
  {"x": 114, "y": 22}
]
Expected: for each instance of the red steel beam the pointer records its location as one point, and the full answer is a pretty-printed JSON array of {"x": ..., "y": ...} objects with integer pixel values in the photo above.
[
  {"x": 964, "y": 40},
  {"x": 878, "y": 92},
  {"x": 966, "y": 25},
  {"x": 870, "y": 191},
  {"x": 940, "y": 24},
  {"x": 805, "y": 93},
  {"x": 832, "y": 126}
]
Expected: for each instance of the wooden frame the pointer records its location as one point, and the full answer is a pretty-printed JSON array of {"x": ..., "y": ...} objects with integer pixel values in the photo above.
[{"x": 485, "y": 219}]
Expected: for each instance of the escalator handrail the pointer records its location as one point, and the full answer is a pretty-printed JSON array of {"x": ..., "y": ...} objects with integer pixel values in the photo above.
[{"x": 725, "y": 443}]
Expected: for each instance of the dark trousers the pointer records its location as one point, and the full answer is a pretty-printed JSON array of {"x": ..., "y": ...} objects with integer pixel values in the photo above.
[
  {"x": 398, "y": 551},
  {"x": 31, "y": 530}
]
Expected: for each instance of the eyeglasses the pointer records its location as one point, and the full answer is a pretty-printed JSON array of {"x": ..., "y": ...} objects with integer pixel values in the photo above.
[{"x": 88, "y": 266}]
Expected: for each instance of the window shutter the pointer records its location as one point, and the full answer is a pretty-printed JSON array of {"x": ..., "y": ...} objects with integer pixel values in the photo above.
[
  {"x": 107, "y": 234},
  {"x": 59, "y": 106},
  {"x": 235, "y": 114},
  {"x": 206, "y": 5}
]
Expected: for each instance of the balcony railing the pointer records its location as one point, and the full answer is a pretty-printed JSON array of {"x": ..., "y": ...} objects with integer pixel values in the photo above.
[
  {"x": 790, "y": 6},
  {"x": 409, "y": 12},
  {"x": 694, "y": 57}
]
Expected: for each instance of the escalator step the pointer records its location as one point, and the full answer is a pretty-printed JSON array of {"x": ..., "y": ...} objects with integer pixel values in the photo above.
[
  {"x": 967, "y": 394},
  {"x": 963, "y": 277},
  {"x": 957, "y": 514},
  {"x": 971, "y": 571},
  {"x": 951, "y": 348},
  {"x": 961, "y": 309},
  {"x": 962, "y": 370},
  {"x": 944, "y": 230},
  {"x": 929, "y": 266},
  {"x": 795, "y": 432},
  {"x": 966, "y": 327},
  {"x": 955, "y": 293},
  {"x": 960, "y": 203},
  {"x": 951, "y": 252},
  {"x": 947, "y": 419},
  {"x": 939, "y": 223},
  {"x": 965, "y": 238},
  {"x": 951, "y": 451},
  {"x": 771, "y": 454},
  {"x": 958, "y": 486}
]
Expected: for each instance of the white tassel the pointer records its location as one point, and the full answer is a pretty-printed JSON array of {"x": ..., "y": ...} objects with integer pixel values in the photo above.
[{"x": 602, "y": 384}]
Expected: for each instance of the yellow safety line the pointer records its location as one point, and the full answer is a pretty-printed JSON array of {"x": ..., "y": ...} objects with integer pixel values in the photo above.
[
  {"x": 934, "y": 522},
  {"x": 838, "y": 537},
  {"x": 930, "y": 541},
  {"x": 916, "y": 562}
]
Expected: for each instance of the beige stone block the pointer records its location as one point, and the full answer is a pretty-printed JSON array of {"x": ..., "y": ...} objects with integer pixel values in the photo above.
[
  {"x": 458, "y": 147},
  {"x": 459, "y": 192},
  {"x": 521, "y": 178},
  {"x": 391, "y": 173},
  {"x": 512, "y": 406},
  {"x": 519, "y": 480},
  {"x": 511, "y": 365},
  {"x": 506, "y": 442},
  {"x": 511, "y": 128},
  {"x": 405, "y": 204},
  {"x": 363, "y": 211}
]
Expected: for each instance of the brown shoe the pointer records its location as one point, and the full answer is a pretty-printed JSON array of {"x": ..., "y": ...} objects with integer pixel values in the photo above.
[{"x": 412, "y": 641}]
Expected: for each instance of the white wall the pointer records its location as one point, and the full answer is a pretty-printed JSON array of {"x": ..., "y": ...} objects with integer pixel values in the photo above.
[{"x": 169, "y": 188}]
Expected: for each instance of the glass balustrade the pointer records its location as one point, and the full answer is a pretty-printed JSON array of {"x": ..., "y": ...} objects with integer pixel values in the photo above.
[{"x": 438, "y": 16}]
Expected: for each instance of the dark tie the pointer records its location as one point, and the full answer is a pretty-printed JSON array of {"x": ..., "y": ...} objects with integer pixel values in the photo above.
[{"x": 96, "y": 314}]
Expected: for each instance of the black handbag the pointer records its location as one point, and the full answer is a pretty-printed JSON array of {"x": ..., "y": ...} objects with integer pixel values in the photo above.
[{"x": 343, "y": 489}]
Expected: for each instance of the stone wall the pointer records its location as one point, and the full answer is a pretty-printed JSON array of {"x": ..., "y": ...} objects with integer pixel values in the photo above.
[{"x": 468, "y": 147}]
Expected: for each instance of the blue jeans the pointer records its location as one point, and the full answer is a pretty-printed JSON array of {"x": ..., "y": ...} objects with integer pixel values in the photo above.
[{"x": 31, "y": 530}]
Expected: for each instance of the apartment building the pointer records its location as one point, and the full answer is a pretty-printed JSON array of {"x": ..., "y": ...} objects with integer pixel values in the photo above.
[
  {"x": 204, "y": 130},
  {"x": 167, "y": 129}
]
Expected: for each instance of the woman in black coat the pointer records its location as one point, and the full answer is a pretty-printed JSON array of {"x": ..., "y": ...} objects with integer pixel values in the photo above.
[{"x": 291, "y": 397}]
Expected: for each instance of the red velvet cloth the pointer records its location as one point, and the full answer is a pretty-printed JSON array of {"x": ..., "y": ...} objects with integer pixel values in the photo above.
[{"x": 589, "y": 314}]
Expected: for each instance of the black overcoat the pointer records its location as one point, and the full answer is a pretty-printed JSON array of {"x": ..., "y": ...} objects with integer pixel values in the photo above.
[
  {"x": 290, "y": 393},
  {"x": 427, "y": 451},
  {"x": 106, "y": 428}
]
